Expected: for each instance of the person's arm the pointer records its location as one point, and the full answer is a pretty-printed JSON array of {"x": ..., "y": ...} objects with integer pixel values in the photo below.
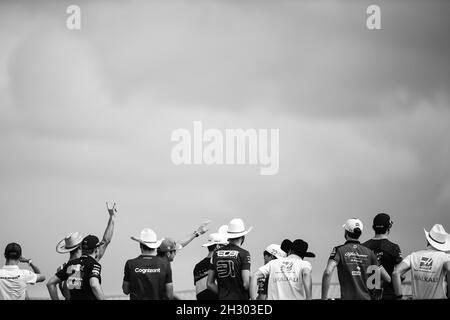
[
  {"x": 246, "y": 279},
  {"x": 307, "y": 282},
  {"x": 399, "y": 270},
  {"x": 254, "y": 284},
  {"x": 39, "y": 277},
  {"x": 107, "y": 236},
  {"x": 447, "y": 268},
  {"x": 385, "y": 275},
  {"x": 326, "y": 278},
  {"x": 211, "y": 282},
  {"x": 96, "y": 288},
  {"x": 126, "y": 287},
  {"x": 126, "y": 279},
  {"x": 169, "y": 291},
  {"x": 51, "y": 287},
  {"x": 200, "y": 230},
  {"x": 447, "y": 277}
]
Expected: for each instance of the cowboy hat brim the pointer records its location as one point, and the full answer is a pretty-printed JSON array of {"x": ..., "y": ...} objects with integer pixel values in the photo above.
[
  {"x": 234, "y": 235},
  {"x": 309, "y": 255},
  {"x": 438, "y": 246},
  {"x": 61, "y": 246},
  {"x": 151, "y": 245},
  {"x": 208, "y": 244}
]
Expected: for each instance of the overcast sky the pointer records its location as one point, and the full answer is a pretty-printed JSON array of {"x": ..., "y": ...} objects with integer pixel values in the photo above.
[{"x": 86, "y": 117}]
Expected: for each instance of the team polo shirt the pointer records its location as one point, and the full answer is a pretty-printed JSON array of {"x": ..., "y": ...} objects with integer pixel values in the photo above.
[
  {"x": 77, "y": 273},
  {"x": 286, "y": 278},
  {"x": 428, "y": 273},
  {"x": 388, "y": 255},
  {"x": 228, "y": 263},
  {"x": 200, "y": 279},
  {"x": 14, "y": 281},
  {"x": 352, "y": 260},
  {"x": 147, "y": 277}
]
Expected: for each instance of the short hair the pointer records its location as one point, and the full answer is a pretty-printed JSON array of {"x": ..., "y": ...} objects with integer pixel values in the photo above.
[
  {"x": 13, "y": 251},
  {"x": 380, "y": 230},
  {"x": 355, "y": 234},
  {"x": 212, "y": 248},
  {"x": 88, "y": 251},
  {"x": 144, "y": 247}
]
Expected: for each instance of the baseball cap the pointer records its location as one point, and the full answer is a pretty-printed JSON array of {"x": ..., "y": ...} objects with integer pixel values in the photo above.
[
  {"x": 168, "y": 244},
  {"x": 13, "y": 251},
  {"x": 90, "y": 242},
  {"x": 275, "y": 250},
  {"x": 352, "y": 224},
  {"x": 382, "y": 220}
]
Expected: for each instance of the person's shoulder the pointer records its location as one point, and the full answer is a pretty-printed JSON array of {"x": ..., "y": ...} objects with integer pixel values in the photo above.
[
  {"x": 90, "y": 262},
  {"x": 305, "y": 264},
  {"x": 366, "y": 249},
  {"x": 26, "y": 272},
  {"x": 162, "y": 261},
  {"x": 243, "y": 251},
  {"x": 337, "y": 248},
  {"x": 391, "y": 247},
  {"x": 61, "y": 267},
  {"x": 131, "y": 261},
  {"x": 198, "y": 265}
]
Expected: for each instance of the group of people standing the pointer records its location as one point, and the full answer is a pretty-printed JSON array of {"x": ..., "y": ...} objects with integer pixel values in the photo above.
[{"x": 371, "y": 270}]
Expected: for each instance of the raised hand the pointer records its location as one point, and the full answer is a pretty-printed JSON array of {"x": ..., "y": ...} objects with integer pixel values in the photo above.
[
  {"x": 203, "y": 227},
  {"x": 112, "y": 211},
  {"x": 23, "y": 260}
]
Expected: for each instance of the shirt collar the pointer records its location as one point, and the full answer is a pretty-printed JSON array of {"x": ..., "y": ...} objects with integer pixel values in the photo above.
[
  {"x": 352, "y": 241},
  {"x": 11, "y": 267}
]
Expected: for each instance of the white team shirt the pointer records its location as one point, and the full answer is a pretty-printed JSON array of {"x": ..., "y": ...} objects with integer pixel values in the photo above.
[
  {"x": 14, "y": 281},
  {"x": 286, "y": 278},
  {"x": 428, "y": 273}
]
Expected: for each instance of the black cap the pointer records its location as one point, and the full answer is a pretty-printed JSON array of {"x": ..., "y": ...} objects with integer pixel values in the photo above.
[
  {"x": 90, "y": 242},
  {"x": 382, "y": 220},
  {"x": 13, "y": 251}
]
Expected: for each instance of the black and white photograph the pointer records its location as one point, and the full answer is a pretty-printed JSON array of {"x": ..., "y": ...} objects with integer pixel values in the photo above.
[{"x": 236, "y": 151}]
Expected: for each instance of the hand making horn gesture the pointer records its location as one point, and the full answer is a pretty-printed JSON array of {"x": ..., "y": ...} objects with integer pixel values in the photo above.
[{"x": 112, "y": 211}]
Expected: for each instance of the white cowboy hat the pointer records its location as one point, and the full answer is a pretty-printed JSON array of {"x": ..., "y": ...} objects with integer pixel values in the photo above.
[
  {"x": 438, "y": 238},
  {"x": 148, "y": 238},
  {"x": 223, "y": 229},
  {"x": 216, "y": 238},
  {"x": 275, "y": 250},
  {"x": 236, "y": 229},
  {"x": 69, "y": 243}
]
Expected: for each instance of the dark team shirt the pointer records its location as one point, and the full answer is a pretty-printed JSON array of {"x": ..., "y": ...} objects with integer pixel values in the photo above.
[
  {"x": 228, "y": 263},
  {"x": 147, "y": 277},
  {"x": 200, "y": 278},
  {"x": 352, "y": 260},
  {"x": 388, "y": 255},
  {"x": 77, "y": 274}
]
